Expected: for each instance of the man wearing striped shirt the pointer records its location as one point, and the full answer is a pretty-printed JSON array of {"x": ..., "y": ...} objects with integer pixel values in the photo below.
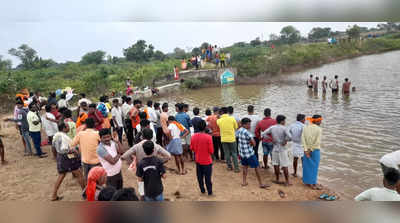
[{"x": 296, "y": 129}]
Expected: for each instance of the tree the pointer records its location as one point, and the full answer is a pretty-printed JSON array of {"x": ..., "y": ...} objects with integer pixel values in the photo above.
[
  {"x": 26, "y": 54},
  {"x": 204, "y": 45},
  {"x": 319, "y": 33},
  {"x": 255, "y": 42},
  {"x": 354, "y": 32},
  {"x": 149, "y": 53},
  {"x": 290, "y": 35},
  {"x": 43, "y": 63},
  {"x": 5, "y": 64},
  {"x": 273, "y": 37},
  {"x": 95, "y": 57},
  {"x": 196, "y": 51},
  {"x": 137, "y": 52},
  {"x": 158, "y": 55},
  {"x": 179, "y": 53}
]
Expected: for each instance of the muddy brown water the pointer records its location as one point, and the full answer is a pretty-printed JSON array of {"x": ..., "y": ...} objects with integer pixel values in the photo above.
[{"x": 357, "y": 130}]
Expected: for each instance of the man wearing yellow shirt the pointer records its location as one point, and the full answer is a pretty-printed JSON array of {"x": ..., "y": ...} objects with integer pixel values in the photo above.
[
  {"x": 228, "y": 125},
  {"x": 311, "y": 141}
]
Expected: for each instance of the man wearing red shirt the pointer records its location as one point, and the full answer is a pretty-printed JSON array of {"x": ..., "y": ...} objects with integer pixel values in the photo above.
[
  {"x": 96, "y": 116},
  {"x": 202, "y": 146},
  {"x": 216, "y": 135},
  {"x": 267, "y": 141}
]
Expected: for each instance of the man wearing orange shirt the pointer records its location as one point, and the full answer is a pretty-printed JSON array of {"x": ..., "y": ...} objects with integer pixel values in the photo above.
[{"x": 216, "y": 135}]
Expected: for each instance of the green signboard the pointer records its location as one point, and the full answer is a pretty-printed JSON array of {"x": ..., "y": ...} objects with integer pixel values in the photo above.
[{"x": 227, "y": 77}]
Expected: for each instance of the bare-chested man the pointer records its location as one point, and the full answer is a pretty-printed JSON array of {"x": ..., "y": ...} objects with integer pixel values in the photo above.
[
  {"x": 315, "y": 84},
  {"x": 324, "y": 85},
  {"x": 346, "y": 86}
]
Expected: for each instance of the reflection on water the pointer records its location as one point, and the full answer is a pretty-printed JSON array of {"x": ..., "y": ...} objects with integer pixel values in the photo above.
[{"x": 357, "y": 129}]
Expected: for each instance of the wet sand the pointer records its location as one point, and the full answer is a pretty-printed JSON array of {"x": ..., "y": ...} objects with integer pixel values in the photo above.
[{"x": 32, "y": 179}]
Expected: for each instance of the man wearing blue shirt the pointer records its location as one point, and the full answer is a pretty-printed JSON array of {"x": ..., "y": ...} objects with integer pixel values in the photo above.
[{"x": 184, "y": 119}]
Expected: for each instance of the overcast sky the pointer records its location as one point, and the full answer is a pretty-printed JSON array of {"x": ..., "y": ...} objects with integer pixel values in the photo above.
[{"x": 66, "y": 30}]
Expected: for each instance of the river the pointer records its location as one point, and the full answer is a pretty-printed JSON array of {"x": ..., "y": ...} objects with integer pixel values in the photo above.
[{"x": 357, "y": 130}]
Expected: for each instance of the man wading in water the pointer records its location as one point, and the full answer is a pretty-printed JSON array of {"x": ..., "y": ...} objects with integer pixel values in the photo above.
[
  {"x": 310, "y": 82},
  {"x": 346, "y": 86},
  {"x": 334, "y": 85}
]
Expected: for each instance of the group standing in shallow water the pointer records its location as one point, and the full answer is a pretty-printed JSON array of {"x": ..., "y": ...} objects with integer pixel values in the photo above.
[{"x": 313, "y": 85}]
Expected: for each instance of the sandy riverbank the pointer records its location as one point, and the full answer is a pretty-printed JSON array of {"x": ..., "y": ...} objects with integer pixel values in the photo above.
[{"x": 32, "y": 179}]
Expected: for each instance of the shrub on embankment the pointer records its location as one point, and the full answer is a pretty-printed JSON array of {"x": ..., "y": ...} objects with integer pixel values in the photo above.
[{"x": 253, "y": 61}]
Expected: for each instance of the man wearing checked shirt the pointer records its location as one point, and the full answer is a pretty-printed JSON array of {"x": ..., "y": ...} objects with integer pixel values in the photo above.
[{"x": 246, "y": 151}]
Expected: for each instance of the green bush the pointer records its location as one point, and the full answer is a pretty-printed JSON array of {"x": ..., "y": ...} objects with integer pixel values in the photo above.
[{"x": 192, "y": 83}]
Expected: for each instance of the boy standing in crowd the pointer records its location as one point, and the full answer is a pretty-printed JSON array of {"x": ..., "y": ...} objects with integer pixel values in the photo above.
[
  {"x": 203, "y": 149},
  {"x": 246, "y": 151},
  {"x": 150, "y": 171}
]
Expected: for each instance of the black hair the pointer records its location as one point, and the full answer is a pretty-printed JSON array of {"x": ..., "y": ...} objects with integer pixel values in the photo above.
[
  {"x": 196, "y": 111},
  {"x": 83, "y": 95},
  {"x": 47, "y": 108},
  {"x": 61, "y": 126},
  {"x": 165, "y": 105},
  {"x": 185, "y": 106},
  {"x": 128, "y": 99},
  {"x": 53, "y": 94},
  {"x": 106, "y": 193},
  {"x": 89, "y": 123},
  {"x": 316, "y": 116},
  {"x": 336, "y": 76},
  {"x": 135, "y": 102},
  {"x": 346, "y": 79},
  {"x": 245, "y": 121},
  {"x": 83, "y": 104},
  {"x": 156, "y": 105},
  {"x": 392, "y": 176},
  {"x": 310, "y": 75},
  {"x": 102, "y": 98},
  {"x": 215, "y": 109},
  {"x": 148, "y": 147},
  {"x": 267, "y": 112},
  {"x": 125, "y": 194},
  {"x": 147, "y": 133},
  {"x": 171, "y": 118},
  {"x": 250, "y": 108},
  {"x": 92, "y": 106},
  {"x": 142, "y": 115},
  {"x": 180, "y": 107},
  {"x": 116, "y": 101},
  {"x": 144, "y": 122},
  {"x": 123, "y": 98},
  {"x": 177, "y": 104},
  {"x": 201, "y": 125},
  {"x": 30, "y": 94},
  {"x": 67, "y": 113},
  {"x": 224, "y": 110},
  {"x": 63, "y": 95},
  {"x": 280, "y": 119},
  {"x": 150, "y": 103},
  {"x": 104, "y": 132},
  {"x": 230, "y": 109},
  {"x": 316, "y": 78},
  {"x": 208, "y": 112},
  {"x": 300, "y": 117},
  {"x": 19, "y": 102},
  {"x": 30, "y": 106}
]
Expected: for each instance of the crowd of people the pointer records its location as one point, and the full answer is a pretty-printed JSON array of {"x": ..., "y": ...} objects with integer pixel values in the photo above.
[
  {"x": 212, "y": 54},
  {"x": 91, "y": 146}
]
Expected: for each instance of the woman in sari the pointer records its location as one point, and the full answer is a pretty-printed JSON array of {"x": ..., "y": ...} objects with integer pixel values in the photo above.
[{"x": 96, "y": 178}]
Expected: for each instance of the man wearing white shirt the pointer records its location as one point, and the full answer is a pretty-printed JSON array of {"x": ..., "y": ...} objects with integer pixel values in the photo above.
[
  {"x": 255, "y": 119},
  {"x": 386, "y": 193},
  {"x": 126, "y": 107},
  {"x": 116, "y": 113},
  {"x": 151, "y": 112},
  {"x": 390, "y": 160}
]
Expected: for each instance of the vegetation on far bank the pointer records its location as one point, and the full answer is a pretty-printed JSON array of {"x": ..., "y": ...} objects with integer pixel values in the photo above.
[{"x": 98, "y": 73}]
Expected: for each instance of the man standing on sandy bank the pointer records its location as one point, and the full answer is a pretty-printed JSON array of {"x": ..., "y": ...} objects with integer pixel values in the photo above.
[{"x": 311, "y": 141}]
